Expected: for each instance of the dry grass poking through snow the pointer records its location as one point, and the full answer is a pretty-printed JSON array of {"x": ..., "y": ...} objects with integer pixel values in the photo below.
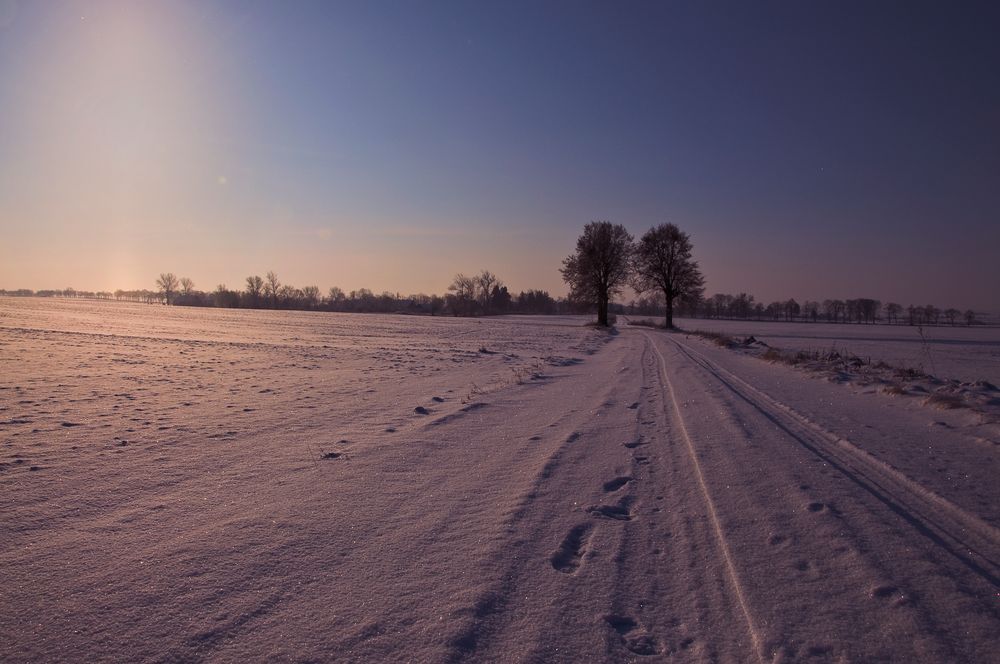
[{"x": 843, "y": 367}]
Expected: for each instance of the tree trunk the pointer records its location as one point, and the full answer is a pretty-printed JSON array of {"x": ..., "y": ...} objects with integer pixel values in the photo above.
[
  {"x": 602, "y": 311},
  {"x": 669, "y": 322}
]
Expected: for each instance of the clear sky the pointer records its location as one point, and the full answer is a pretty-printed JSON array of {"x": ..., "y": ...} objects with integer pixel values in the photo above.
[{"x": 811, "y": 149}]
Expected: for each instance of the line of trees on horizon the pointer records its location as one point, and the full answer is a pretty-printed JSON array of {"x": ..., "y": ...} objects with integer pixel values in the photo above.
[
  {"x": 481, "y": 294},
  {"x": 485, "y": 294},
  {"x": 860, "y": 310}
]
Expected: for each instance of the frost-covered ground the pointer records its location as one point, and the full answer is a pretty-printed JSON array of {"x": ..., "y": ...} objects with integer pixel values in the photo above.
[
  {"x": 188, "y": 485},
  {"x": 963, "y": 353}
]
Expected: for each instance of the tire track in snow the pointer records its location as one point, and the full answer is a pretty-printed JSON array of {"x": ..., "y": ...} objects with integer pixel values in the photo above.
[
  {"x": 876, "y": 477},
  {"x": 734, "y": 578}
]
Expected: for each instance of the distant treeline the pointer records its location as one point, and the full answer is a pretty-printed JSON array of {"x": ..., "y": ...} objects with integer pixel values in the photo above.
[
  {"x": 486, "y": 294},
  {"x": 482, "y": 294},
  {"x": 861, "y": 310}
]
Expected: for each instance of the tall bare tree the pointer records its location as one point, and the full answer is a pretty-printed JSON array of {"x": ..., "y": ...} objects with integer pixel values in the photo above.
[
  {"x": 485, "y": 283},
  {"x": 310, "y": 295},
  {"x": 663, "y": 262},
  {"x": 600, "y": 266},
  {"x": 223, "y": 297},
  {"x": 187, "y": 286},
  {"x": 255, "y": 288},
  {"x": 271, "y": 287},
  {"x": 462, "y": 295},
  {"x": 288, "y": 297},
  {"x": 167, "y": 283}
]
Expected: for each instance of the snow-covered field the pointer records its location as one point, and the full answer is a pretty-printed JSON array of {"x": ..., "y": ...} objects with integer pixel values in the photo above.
[
  {"x": 963, "y": 353},
  {"x": 187, "y": 485}
]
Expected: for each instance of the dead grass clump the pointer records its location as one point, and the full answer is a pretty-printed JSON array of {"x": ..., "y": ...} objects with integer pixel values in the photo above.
[
  {"x": 910, "y": 373},
  {"x": 645, "y": 322},
  {"x": 719, "y": 339},
  {"x": 803, "y": 356},
  {"x": 521, "y": 375},
  {"x": 945, "y": 401},
  {"x": 893, "y": 390},
  {"x": 772, "y": 355}
]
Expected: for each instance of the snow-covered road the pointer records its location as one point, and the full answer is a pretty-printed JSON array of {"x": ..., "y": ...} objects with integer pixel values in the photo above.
[
  {"x": 645, "y": 496},
  {"x": 700, "y": 518}
]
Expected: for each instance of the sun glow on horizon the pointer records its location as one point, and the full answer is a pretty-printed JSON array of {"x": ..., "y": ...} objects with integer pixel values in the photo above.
[{"x": 345, "y": 144}]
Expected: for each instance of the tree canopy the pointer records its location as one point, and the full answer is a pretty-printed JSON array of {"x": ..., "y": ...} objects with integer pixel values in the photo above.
[
  {"x": 600, "y": 266},
  {"x": 663, "y": 262}
]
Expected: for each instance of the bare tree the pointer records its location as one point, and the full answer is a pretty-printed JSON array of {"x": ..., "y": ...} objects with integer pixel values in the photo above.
[
  {"x": 600, "y": 267},
  {"x": 223, "y": 297},
  {"x": 868, "y": 309},
  {"x": 892, "y": 311},
  {"x": 288, "y": 297},
  {"x": 721, "y": 303},
  {"x": 255, "y": 288},
  {"x": 335, "y": 298},
  {"x": 187, "y": 286},
  {"x": 776, "y": 310},
  {"x": 810, "y": 310},
  {"x": 792, "y": 309},
  {"x": 462, "y": 295},
  {"x": 663, "y": 263},
  {"x": 310, "y": 295},
  {"x": 742, "y": 305},
  {"x": 167, "y": 283},
  {"x": 485, "y": 283},
  {"x": 271, "y": 287}
]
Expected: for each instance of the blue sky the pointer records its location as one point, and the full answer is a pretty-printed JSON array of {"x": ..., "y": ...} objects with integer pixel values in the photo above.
[{"x": 821, "y": 149}]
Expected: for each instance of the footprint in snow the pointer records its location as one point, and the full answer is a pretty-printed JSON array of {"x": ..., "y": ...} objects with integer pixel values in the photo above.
[
  {"x": 619, "y": 512},
  {"x": 891, "y": 594},
  {"x": 883, "y": 592},
  {"x": 569, "y": 556},
  {"x": 617, "y": 483},
  {"x": 420, "y": 410},
  {"x": 633, "y": 636}
]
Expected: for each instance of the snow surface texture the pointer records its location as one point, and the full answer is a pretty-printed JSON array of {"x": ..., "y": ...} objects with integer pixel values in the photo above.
[{"x": 188, "y": 485}]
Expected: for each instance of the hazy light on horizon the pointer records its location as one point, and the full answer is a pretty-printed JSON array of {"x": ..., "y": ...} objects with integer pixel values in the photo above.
[{"x": 810, "y": 151}]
